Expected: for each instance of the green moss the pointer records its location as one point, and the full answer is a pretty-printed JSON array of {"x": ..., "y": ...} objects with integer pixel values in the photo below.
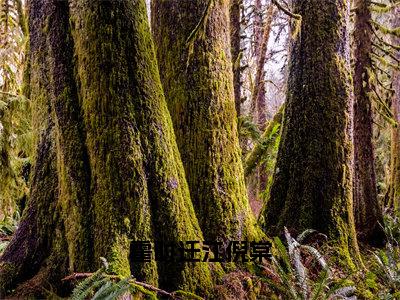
[
  {"x": 108, "y": 169},
  {"x": 134, "y": 159},
  {"x": 199, "y": 93},
  {"x": 312, "y": 181}
]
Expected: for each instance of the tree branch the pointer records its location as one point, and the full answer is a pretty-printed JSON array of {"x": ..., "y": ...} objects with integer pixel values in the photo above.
[{"x": 286, "y": 11}]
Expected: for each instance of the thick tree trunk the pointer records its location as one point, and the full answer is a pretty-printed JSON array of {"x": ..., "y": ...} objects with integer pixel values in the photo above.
[
  {"x": 107, "y": 166},
  {"x": 394, "y": 185},
  {"x": 234, "y": 12},
  {"x": 198, "y": 85},
  {"x": 312, "y": 186},
  {"x": 367, "y": 210},
  {"x": 29, "y": 258}
]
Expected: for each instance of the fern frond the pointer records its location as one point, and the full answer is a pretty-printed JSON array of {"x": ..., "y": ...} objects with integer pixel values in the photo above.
[{"x": 83, "y": 289}]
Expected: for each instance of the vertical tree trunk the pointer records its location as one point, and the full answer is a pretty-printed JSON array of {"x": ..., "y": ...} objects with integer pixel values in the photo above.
[
  {"x": 258, "y": 27},
  {"x": 259, "y": 100},
  {"x": 107, "y": 167},
  {"x": 312, "y": 186},
  {"x": 198, "y": 85},
  {"x": 257, "y": 41},
  {"x": 367, "y": 210},
  {"x": 259, "y": 93},
  {"x": 394, "y": 185},
  {"x": 29, "y": 255},
  {"x": 235, "y": 20}
]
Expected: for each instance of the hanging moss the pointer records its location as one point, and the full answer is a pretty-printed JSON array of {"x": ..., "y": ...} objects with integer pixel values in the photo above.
[{"x": 385, "y": 30}]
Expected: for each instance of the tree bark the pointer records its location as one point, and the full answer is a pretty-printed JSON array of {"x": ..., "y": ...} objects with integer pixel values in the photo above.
[
  {"x": 367, "y": 210},
  {"x": 107, "y": 167},
  {"x": 235, "y": 20},
  {"x": 312, "y": 185},
  {"x": 198, "y": 85},
  {"x": 259, "y": 93},
  {"x": 394, "y": 185}
]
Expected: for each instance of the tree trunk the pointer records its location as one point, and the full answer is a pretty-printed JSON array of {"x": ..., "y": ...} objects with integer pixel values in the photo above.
[
  {"x": 234, "y": 13},
  {"x": 258, "y": 31},
  {"x": 259, "y": 93},
  {"x": 394, "y": 185},
  {"x": 312, "y": 185},
  {"x": 198, "y": 83},
  {"x": 107, "y": 166},
  {"x": 367, "y": 210}
]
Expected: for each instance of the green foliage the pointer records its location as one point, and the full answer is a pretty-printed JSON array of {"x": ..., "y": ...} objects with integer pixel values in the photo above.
[
  {"x": 392, "y": 227},
  {"x": 387, "y": 261},
  {"x": 382, "y": 136},
  {"x": 266, "y": 147},
  {"x": 292, "y": 278},
  {"x": 15, "y": 149},
  {"x": 15, "y": 133},
  {"x": 12, "y": 40},
  {"x": 7, "y": 227},
  {"x": 384, "y": 57},
  {"x": 101, "y": 285},
  {"x": 378, "y": 7},
  {"x": 248, "y": 129}
]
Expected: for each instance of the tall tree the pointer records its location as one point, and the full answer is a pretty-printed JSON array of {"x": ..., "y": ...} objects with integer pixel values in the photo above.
[
  {"x": 107, "y": 167},
  {"x": 235, "y": 20},
  {"x": 312, "y": 180},
  {"x": 394, "y": 185},
  {"x": 259, "y": 93},
  {"x": 367, "y": 210},
  {"x": 193, "y": 50},
  {"x": 259, "y": 97}
]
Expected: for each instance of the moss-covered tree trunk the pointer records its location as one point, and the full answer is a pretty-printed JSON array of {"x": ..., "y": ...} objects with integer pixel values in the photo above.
[
  {"x": 196, "y": 72},
  {"x": 367, "y": 210},
  {"x": 312, "y": 185},
  {"x": 234, "y": 13},
  {"x": 107, "y": 167},
  {"x": 394, "y": 185}
]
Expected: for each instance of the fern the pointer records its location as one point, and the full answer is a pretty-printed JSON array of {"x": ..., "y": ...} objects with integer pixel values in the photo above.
[
  {"x": 294, "y": 282},
  {"x": 103, "y": 286},
  {"x": 87, "y": 286},
  {"x": 248, "y": 129},
  {"x": 387, "y": 260}
]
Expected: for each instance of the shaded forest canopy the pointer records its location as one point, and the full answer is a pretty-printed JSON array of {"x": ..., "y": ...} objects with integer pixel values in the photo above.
[{"x": 256, "y": 140}]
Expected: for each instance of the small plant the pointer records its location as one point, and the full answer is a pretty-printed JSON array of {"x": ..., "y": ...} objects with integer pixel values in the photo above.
[
  {"x": 291, "y": 277},
  {"x": 248, "y": 129},
  {"x": 388, "y": 259},
  {"x": 7, "y": 227},
  {"x": 101, "y": 285}
]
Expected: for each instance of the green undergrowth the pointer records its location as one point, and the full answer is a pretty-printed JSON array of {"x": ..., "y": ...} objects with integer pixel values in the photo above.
[{"x": 103, "y": 285}]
